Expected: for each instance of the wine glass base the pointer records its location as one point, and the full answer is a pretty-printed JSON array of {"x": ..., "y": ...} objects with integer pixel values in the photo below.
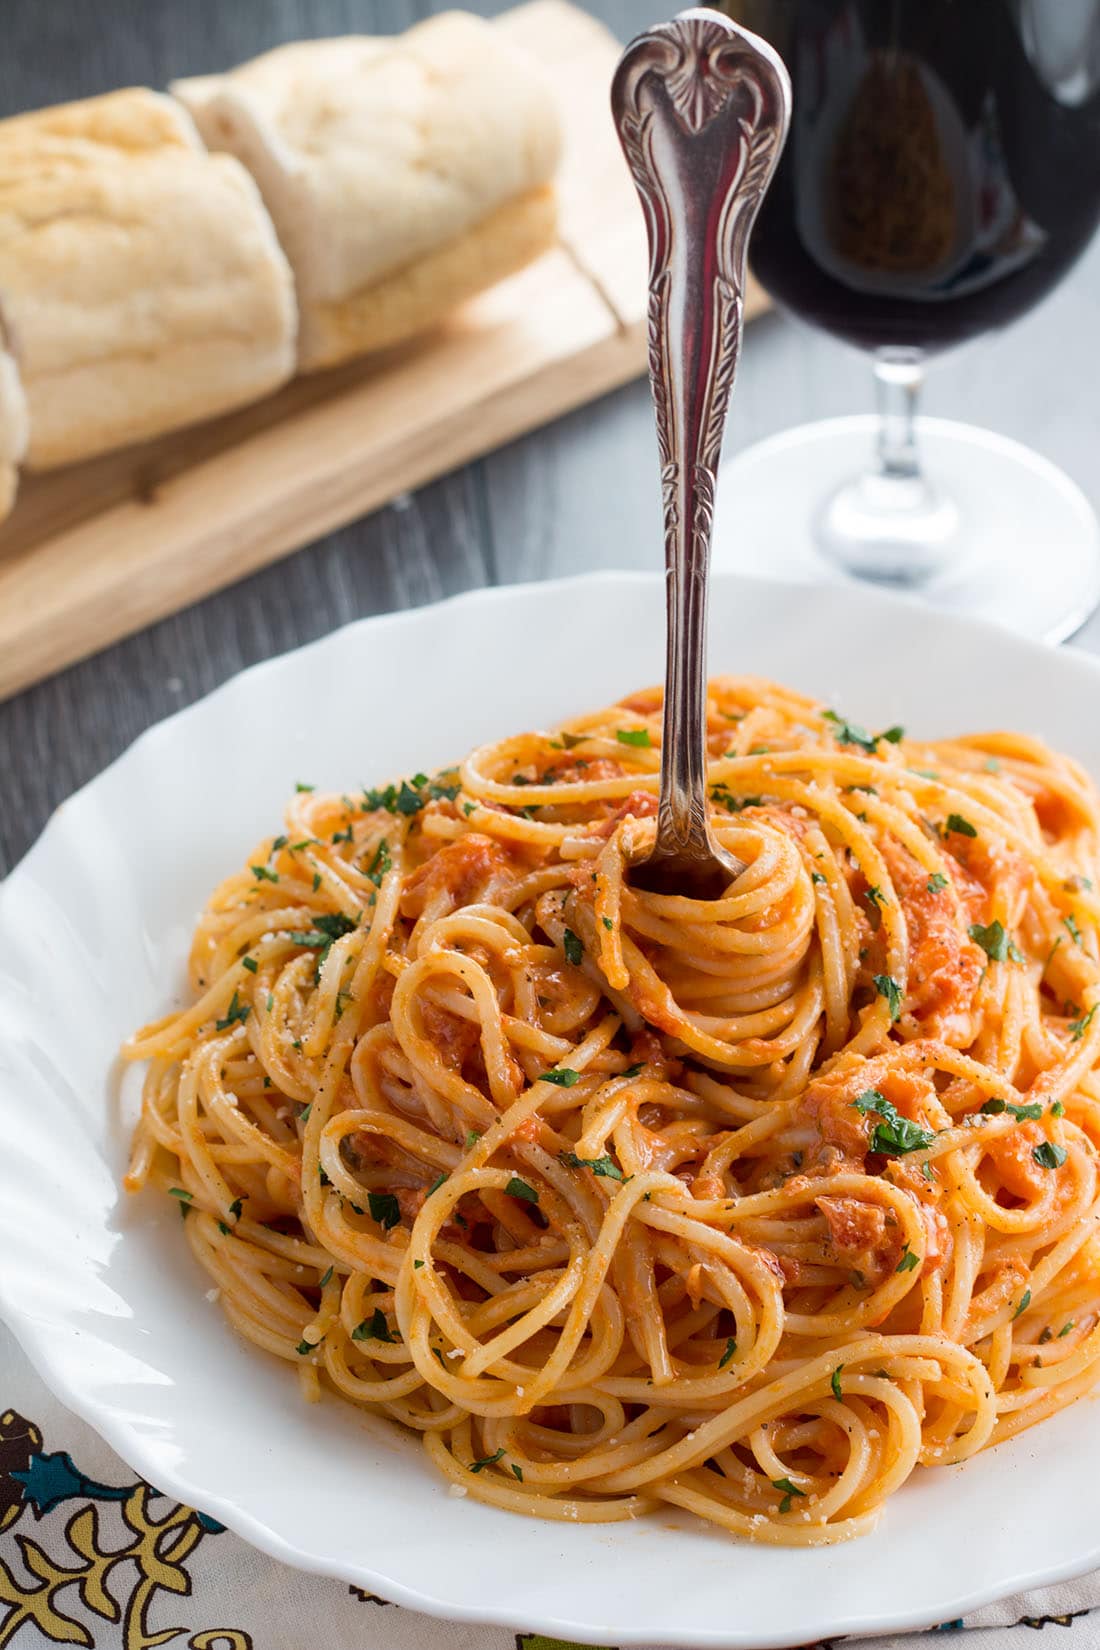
[{"x": 1027, "y": 549}]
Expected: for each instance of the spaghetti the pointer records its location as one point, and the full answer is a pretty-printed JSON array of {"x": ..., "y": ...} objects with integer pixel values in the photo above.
[{"x": 619, "y": 1199}]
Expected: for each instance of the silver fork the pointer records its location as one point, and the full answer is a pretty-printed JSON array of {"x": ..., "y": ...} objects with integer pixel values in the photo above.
[{"x": 701, "y": 107}]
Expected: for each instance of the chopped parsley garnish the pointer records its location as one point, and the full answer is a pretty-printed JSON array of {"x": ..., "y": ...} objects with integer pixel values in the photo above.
[
  {"x": 178, "y": 1191},
  {"x": 564, "y": 1077},
  {"x": 335, "y": 925},
  {"x": 235, "y": 1208},
  {"x": 1058, "y": 1109},
  {"x": 724, "y": 797},
  {"x": 895, "y": 1135},
  {"x": 834, "y": 1382},
  {"x": 304, "y": 1348},
  {"x": 608, "y": 924},
  {"x": 995, "y": 942},
  {"x": 437, "y": 1183},
  {"x": 517, "y": 1470},
  {"x": 472, "y": 1137},
  {"x": 263, "y": 874},
  {"x": 487, "y": 1461},
  {"x": 417, "y": 1264},
  {"x": 445, "y": 793},
  {"x": 892, "y": 736},
  {"x": 599, "y": 1165},
  {"x": 1048, "y": 1155},
  {"x": 993, "y": 1108},
  {"x": 572, "y": 947},
  {"x": 380, "y": 799},
  {"x": 323, "y": 934},
  {"x": 236, "y": 1011},
  {"x": 374, "y": 1328},
  {"x": 1065, "y": 1329},
  {"x": 888, "y": 987},
  {"x": 634, "y": 736},
  {"x": 960, "y": 826},
  {"x": 303, "y": 1115},
  {"x": 302, "y": 787},
  {"x": 250, "y": 963},
  {"x": 875, "y": 896},
  {"x": 816, "y": 876},
  {"x": 908, "y": 1260},
  {"x": 789, "y": 1491},
  {"x": 384, "y": 1208},
  {"x": 407, "y": 801},
  {"x": 519, "y": 1188},
  {"x": 928, "y": 1170},
  {"x": 936, "y": 882},
  {"x": 325, "y": 1280},
  {"x": 316, "y": 881},
  {"x": 380, "y": 864},
  {"x": 1071, "y": 924},
  {"x": 1025, "y": 1302},
  {"x": 633, "y": 1071},
  {"x": 849, "y": 733},
  {"x": 730, "y": 1352}
]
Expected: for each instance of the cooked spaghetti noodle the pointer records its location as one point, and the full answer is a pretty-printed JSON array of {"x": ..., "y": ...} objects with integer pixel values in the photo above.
[{"x": 750, "y": 1206}]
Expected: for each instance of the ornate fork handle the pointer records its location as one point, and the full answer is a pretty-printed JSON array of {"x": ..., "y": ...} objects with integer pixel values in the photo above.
[{"x": 701, "y": 108}]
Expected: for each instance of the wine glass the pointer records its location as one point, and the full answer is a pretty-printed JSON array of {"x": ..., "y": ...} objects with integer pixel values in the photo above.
[{"x": 942, "y": 173}]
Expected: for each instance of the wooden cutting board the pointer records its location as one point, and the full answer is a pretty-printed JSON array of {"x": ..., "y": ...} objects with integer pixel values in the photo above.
[{"x": 98, "y": 550}]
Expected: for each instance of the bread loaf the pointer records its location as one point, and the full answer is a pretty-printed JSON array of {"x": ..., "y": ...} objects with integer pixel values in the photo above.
[
  {"x": 142, "y": 282},
  {"x": 13, "y": 423},
  {"x": 403, "y": 175}
]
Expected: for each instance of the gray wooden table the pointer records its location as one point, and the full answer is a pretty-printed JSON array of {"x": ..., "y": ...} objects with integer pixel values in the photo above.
[{"x": 533, "y": 510}]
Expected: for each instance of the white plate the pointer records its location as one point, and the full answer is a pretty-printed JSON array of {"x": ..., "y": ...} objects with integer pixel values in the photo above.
[{"x": 104, "y": 1296}]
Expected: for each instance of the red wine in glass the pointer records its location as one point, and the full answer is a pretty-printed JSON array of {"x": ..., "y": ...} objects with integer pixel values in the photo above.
[{"x": 941, "y": 175}]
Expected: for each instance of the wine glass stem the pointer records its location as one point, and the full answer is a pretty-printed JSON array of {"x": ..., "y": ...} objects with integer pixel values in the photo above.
[
  {"x": 899, "y": 379},
  {"x": 890, "y": 523}
]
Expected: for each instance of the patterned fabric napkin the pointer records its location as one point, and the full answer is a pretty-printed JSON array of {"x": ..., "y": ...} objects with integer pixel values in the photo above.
[{"x": 91, "y": 1556}]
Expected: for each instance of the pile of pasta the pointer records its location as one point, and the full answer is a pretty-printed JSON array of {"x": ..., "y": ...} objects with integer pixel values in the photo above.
[{"x": 620, "y": 1200}]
